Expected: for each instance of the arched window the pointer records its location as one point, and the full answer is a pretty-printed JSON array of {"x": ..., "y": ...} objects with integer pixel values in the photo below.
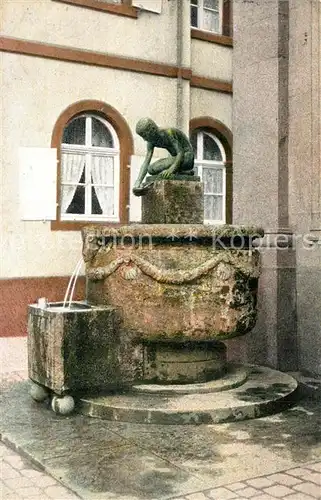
[
  {"x": 213, "y": 165},
  {"x": 94, "y": 145},
  {"x": 89, "y": 170}
]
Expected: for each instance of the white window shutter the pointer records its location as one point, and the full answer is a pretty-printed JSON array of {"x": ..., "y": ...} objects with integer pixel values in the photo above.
[
  {"x": 135, "y": 209},
  {"x": 151, "y": 5},
  {"x": 37, "y": 183}
]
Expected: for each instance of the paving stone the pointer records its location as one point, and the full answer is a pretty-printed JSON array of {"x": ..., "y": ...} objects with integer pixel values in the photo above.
[
  {"x": 260, "y": 482},
  {"x": 15, "y": 461},
  {"x": 298, "y": 471},
  {"x": 33, "y": 491},
  {"x": 32, "y": 473},
  {"x": 278, "y": 491},
  {"x": 4, "y": 490},
  {"x": 236, "y": 486},
  {"x": 12, "y": 496},
  {"x": 221, "y": 494},
  {"x": 264, "y": 497},
  {"x": 316, "y": 467},
  {"x": 310, "y": 489},
  {"x": 8, "y": 472},
  {"x": 18, "y": 482},
  {"x": 43, "y": 481},
  {"x": 56, "y": 492},
  {"x": 299, "y": 496},
  {"x": 313, "y": 477},
  {"x": 285, "y": 479},
  {"x": 196, "y": 496},
  {"x": 248, "y": 492},
  {"x": 5, "y": 451}
]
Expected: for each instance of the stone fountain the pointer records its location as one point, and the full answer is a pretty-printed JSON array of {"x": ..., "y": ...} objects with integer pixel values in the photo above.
[{"x": 163, "y": 296}]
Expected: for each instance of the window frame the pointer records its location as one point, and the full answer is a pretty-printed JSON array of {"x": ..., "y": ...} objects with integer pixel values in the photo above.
[
  {"x": 124, "y": 9},
  {"x": 220, "y": 131},
  {"x": 200, "y": 15},
  {"x": 214, "y": 165},
  {"x": 90, "y": 151},
  {"x": 126, "y": 150},
  {"x": 224, "y": 37}
]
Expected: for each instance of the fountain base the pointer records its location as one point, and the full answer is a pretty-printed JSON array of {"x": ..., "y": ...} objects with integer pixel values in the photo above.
[
  {"x": 184, "y": 363},
  {"x": 264, "y": 392}
]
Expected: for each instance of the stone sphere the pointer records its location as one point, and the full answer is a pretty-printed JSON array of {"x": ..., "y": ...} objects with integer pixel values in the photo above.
[
  {"x": 38, "y": 393},
  {"x": 63, "y": 405}
]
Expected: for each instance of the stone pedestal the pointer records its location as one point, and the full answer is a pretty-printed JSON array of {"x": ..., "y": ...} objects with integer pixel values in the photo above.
[
  {"x": 174, "y": 202},
  {"x": 184, "y": 363}
]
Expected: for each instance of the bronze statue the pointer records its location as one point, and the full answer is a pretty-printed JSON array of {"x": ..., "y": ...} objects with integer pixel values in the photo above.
[{"x": 179, "y": 162}]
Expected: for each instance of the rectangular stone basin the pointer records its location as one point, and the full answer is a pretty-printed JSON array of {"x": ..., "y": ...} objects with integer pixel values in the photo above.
[{"x": 74, "y": 348}]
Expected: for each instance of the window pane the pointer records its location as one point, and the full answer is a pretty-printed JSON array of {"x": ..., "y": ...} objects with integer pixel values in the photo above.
[
  {"x": 213, "y": 208},
  {"x": 106, "y": 199},
  {"x": 102, "y": 170},
  {"x": 101, "y": 137},
  {"x": 194, "y": 16},
  {"x": 213, "y": 180},
  {"x": 95, "y": 205},
  {"x": 72, "y": 167},
  {"x": 75, "y": 133},
  {"x": 211, "y": 4},
  {"x": 211, "y": 149},
  {"x": 194, "y": 2},
  {"x": 211, "y": 21},
  {"x": 77, "y": 204}
]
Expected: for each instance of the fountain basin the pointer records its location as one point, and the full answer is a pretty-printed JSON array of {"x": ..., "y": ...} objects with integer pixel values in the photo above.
[
  {"x": 175, "y": 282},
  {"x": 71, "y": 349}
]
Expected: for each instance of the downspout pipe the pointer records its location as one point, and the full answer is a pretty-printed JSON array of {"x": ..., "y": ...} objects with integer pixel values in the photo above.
[{"x": 179, "y": 63}]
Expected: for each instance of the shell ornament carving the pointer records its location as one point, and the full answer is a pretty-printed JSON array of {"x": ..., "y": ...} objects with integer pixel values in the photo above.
[{"x": 133, "y": 265}]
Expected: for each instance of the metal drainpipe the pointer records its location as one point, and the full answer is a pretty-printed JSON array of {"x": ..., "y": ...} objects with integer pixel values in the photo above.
[{"x": 179, "y": 58}]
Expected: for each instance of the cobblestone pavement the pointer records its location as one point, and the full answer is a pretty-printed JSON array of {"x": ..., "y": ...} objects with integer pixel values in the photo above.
[
  {"x": 300, "y": 483},
  {"x": 21, "y": 480}
]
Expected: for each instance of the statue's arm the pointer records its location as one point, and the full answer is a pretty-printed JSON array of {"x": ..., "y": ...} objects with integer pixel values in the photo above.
[{"x": 145, "y": 165}]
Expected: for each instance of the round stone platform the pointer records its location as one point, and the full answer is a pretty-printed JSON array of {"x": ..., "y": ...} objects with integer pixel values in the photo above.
[
  {"x": 234, "y": 377},
  {"x": 264, "y": 392}
]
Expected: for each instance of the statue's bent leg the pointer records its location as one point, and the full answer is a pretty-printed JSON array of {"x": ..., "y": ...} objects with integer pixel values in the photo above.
[
  {"x": 187, "y": 164},
  {"x": 160, "y": 165}
]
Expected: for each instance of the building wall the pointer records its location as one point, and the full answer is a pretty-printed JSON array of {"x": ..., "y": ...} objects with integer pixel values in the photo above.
[
  {"x": 305, "y": 174},
  {"x": 151, "y": 36},
  {"x": 40, "y": 81},
  {"x": 277, "y": 175}
]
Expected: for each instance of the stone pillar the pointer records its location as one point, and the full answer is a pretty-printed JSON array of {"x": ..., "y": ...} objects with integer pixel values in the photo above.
[
  {"x": 174, "y": 202},
  {"x": 260, "y": 170}
]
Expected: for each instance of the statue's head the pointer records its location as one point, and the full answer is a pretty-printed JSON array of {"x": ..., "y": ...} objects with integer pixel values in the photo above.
[{"x": 147, "y": 129}]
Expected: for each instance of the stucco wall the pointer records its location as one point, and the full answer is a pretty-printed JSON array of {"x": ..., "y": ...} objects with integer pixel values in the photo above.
[
  {"x": 211, "y": 60},
  {"x": 151, "y": 36},
  {"x": 214, "y": 104}
]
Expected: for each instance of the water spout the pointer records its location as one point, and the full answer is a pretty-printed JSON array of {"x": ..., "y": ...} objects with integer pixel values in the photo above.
[
  {"x": 72, "y": 284},
  {"x": 42, "y": 302}
]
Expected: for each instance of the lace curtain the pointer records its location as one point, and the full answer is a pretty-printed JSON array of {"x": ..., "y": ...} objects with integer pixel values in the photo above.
[
  {"x": 102, "y": 171},
  {"x": 72, "y": 168}
]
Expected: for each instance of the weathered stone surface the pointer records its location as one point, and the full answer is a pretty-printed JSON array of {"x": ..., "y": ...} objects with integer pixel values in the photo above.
[
  {"x": 179, "y": 290},
  {"x": 233, "y": 377},
  {"x": 184, "y": 363},
  {"x": 220, "y": 236},
  {"x": 84, "y": 348},
  {"x": 265, "y": 392},
  {"x": 173, "y": 202}
]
